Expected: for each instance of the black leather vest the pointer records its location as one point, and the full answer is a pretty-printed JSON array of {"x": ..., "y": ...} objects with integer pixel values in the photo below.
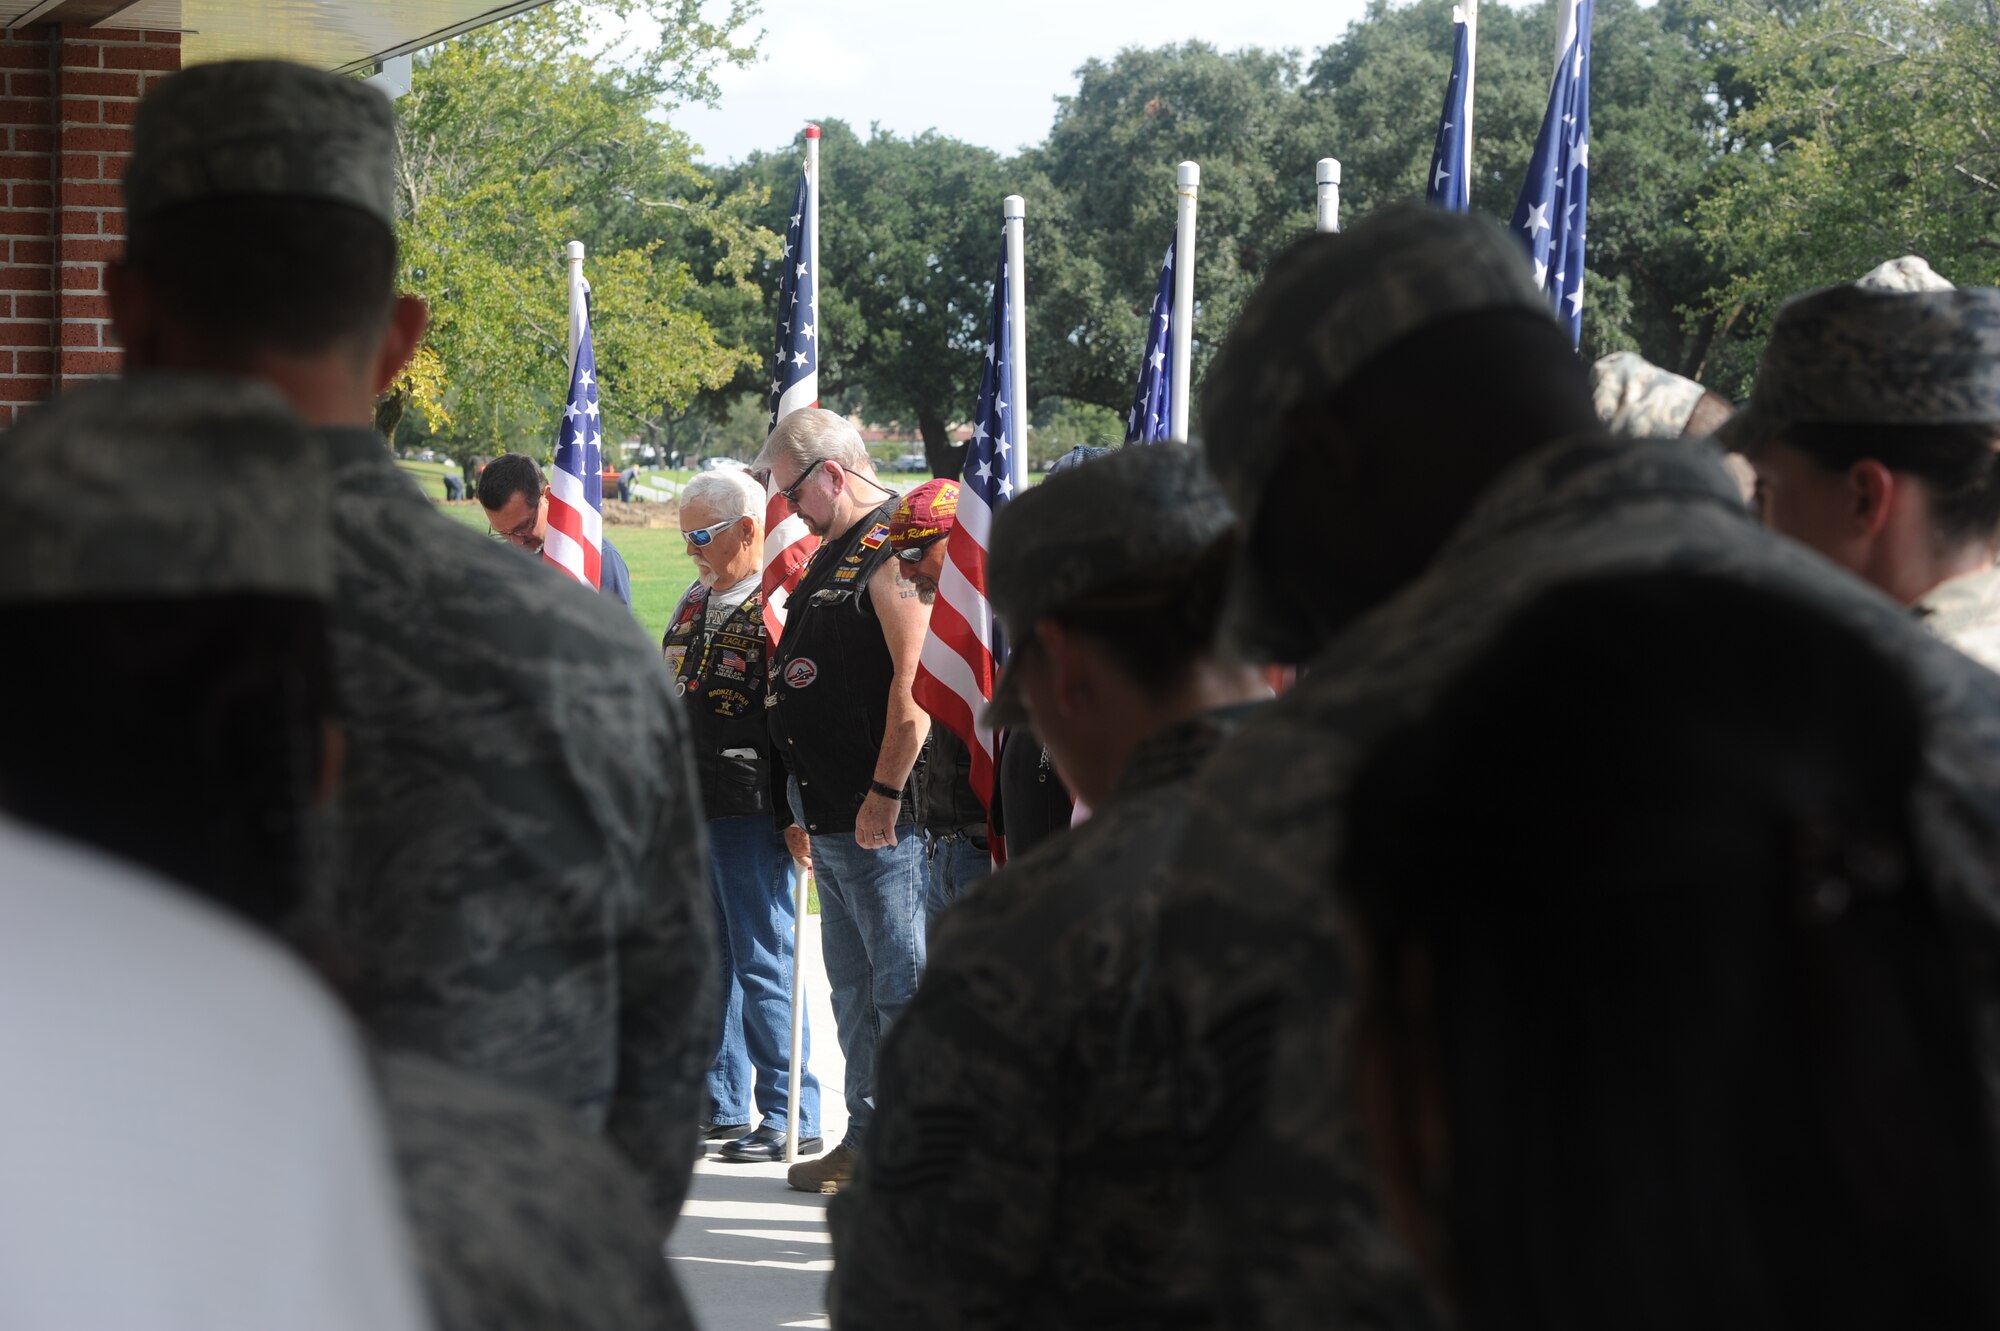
[
  {"x": 721, "y": 676},
  {"x": 829, "y": 696}
]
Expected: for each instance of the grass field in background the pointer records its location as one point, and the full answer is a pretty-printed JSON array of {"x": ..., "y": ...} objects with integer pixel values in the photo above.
[{"x": 661, "y": 569}]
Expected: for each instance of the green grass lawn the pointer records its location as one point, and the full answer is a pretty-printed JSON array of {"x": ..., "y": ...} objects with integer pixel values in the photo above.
[{"x": 661, "y": 569}]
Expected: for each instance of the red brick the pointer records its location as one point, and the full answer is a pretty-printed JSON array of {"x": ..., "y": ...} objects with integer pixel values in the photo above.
[
  {"x": 91, "y": 251},
  {"x": 74, "y": 54},
  {"x": 35, "y": 307},
  {"x": 23, "y": 222},
  {"x": 35, "y": 362},
  {"x": 42, "y": 252},
  {"x": 27, "y": 140},
  {"x": 91, "y": 83},
  {"x": 92, "y": 195},
  {"x": 24, "y": 279},
  {"x": 87, "y": 140},
  {"x": 24, "y": 55},
  {"x": 120, "y": 113},
  {"x": 151, "y": 80},
  {"x": 31, "y": 194},
  {"x": 85, "y": 363},
  {"x": 24, "y": 335},
  {"x": 80, "y": 166},
  {"x": 23, "y": 166},
  {"x": 164, "y": 38},
  {"x": 86, "y": 307},
  {"x": 78, "y": 335},
  {"x": 114, "y": 36},
  {"x": 82, "y": 276},
  {"x": 112, "y": 223},
  {"x": 78, "y": 222},
  {"x": 21, "y": 83},
  {"x": 24, "y": 390},
  {"x": 142, "y": 57},
  {"x": 82, "y": 111},
  {"x": 24, "y": 111}
]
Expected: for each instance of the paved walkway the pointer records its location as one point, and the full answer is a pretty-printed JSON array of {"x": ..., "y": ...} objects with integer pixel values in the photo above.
[{"x": 751, "y": 1254}]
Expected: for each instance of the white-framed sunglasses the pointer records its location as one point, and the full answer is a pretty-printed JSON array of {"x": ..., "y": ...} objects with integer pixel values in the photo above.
[{"x": 701, "y": 536}]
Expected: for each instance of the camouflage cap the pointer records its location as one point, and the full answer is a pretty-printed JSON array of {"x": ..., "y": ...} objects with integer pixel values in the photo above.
[
  {"x": 1909, "y": 273},
  {"x": 1110, "y": 527},
  {"x": 1332, "y": 302},
  {"x": 262, "y": 127},
  {"x": 1638, "y": 400},
  {"x": 164, "y": 486},
  {"x": 924, "y": 514},
  {"x": 1864, "y": 356}
]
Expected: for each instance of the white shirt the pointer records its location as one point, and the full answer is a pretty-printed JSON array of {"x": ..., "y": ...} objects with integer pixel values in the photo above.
[{"x": 188, "y": 1137}]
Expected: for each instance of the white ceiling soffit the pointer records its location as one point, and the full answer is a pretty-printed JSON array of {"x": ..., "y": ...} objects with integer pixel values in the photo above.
[{"x": 340, "y": 35}]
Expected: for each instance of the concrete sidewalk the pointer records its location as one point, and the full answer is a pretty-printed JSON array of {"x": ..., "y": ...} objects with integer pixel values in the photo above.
[{"x": 749, "y": 1253}]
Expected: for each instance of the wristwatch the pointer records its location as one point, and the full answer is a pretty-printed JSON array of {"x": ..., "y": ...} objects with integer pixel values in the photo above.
[{"x": 885, "y": 790}]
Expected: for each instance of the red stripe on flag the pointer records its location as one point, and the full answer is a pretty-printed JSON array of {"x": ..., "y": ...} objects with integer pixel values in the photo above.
[{"x": 570, "y": 523}]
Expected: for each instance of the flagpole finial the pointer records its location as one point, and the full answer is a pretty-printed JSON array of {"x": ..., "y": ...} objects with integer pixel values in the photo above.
[
  {"x": 812, "y": 131},
  {"x": 574, "y": 250},
  {"x": 1013, "y": 208},
  {"x": 1188, "y": 175},
  {"x": 1327, "y": 172}
]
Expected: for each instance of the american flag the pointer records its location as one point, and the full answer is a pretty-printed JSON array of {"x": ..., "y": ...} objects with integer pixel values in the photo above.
[
  {"x": 575, "y": 541},
  {"x": 794, "y": 384},
  {"x": 1550, "y": 215},
  {"x": 1151, "y": 417},
  {"x": 965, "y": 650},
  {"x": 1451, "y": 161}
]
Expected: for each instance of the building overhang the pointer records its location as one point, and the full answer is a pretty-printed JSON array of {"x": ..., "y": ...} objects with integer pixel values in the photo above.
[{"x": 341, "y": 35}]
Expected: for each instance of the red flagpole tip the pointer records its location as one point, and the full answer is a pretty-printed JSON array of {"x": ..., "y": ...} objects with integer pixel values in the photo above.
[{"x": 812, "y": 131}]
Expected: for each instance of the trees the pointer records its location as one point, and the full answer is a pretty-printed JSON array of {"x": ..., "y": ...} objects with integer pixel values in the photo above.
[
  {"x": 1864, "y": 130},
  {"x": 516, "y": 140}
]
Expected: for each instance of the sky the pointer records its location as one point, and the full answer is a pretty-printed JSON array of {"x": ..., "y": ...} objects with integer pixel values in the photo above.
[{"x": 986, "y": 75}]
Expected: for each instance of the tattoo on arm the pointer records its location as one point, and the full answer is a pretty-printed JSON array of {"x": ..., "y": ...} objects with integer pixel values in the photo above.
[{"x": 906, "y": 593}]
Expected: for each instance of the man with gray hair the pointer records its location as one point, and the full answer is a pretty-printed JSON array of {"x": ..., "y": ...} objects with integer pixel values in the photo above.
[
  {"x": 1321, "y": 417},
  {"x": 521, "y": 881},
  {"x": 717, "y": 647},
  {"x": 849, "y": 734}
]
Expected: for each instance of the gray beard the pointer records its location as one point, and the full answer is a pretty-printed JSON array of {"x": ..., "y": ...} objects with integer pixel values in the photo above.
[{"x": 927, "y": 595}]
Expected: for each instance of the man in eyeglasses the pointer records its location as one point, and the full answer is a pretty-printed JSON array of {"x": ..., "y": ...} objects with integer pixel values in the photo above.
[
  {"x": 715, "y": 646},
  {"x": 849, "y": 734},
  {"x": 957, "y": 840},
  {"x": 516, "y": 500}
]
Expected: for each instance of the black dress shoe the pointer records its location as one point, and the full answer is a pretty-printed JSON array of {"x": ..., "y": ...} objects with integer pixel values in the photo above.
[
  {"x": 765, "y": 1146},
  {"x": 718, "y": 1131}
]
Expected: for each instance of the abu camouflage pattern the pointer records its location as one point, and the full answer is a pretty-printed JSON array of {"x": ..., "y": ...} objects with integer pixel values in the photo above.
[
  {"x": 1636, "y": 399},
  {"x": 1965, "y": 612},
  {"x": 523, "y": 887}
]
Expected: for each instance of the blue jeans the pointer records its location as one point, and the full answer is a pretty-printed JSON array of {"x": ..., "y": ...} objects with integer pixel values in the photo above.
[
  {"x": 955, "y": 865},
  {"x": 871, "y": 932},
  {"x": 751, "y": 874}
]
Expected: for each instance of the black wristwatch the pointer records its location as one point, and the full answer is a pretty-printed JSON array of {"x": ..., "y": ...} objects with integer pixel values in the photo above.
[{"x": 885, "y": 790}]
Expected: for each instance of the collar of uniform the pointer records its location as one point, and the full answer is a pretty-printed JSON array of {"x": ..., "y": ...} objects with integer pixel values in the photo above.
[
  {"x": 1588, "y": 471},
  {"x": 1173, "y": 752}
]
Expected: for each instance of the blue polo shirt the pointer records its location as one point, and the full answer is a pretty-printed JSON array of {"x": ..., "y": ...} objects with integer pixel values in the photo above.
[{"x": 613, "y": 578}]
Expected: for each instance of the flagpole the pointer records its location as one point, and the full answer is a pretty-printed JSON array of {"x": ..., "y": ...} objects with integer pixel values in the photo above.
[
  {"x": 1471, "y": 8},
  {"x": 1187, "y": 190},
  {"x": 801, "y": 877},
  {"x": 1013, "y": 221},
  {"x": 578, "y": 306},
  {"x": 1327, "y": 177}
]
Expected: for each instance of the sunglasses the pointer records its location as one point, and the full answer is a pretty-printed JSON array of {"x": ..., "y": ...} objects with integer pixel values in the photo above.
[
  {"x": 791, "y": 493},
  {"x": 915, "y": 554},
  {"x": 701, "y": 536}
]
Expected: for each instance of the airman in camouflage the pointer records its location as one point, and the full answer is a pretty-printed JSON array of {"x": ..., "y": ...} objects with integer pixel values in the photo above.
[
  {"x": 521, "y": 888},
  {"x": 1463, "y": 527},
  {"x": 1894, "y": 376},
  {"x": 1022, "y": 1169}
]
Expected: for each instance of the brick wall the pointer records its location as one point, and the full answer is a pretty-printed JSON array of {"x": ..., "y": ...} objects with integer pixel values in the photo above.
[{"x": 66, "y": 115}]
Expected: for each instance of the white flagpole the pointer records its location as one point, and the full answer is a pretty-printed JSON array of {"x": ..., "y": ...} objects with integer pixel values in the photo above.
[
  {"x": 1187, "y": 191},
  {"x": 579, "y": 306},
  {"x": 1471, "y": 8},
  {"x": 1013, "y": 220},
  {"x": 801, "y": 879},
  {"x": 1326, "y": 176}
]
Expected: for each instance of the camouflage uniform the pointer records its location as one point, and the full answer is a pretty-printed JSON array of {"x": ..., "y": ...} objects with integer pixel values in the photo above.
[
  {"x": 1638, "y": 400},
  {"x": 1965, "y": 612},
  {"x": 522, "y": 887},
  {"x": 1022, "y": 1166},
  {"x": 1251, "y": 966},
  {"x": 522, "y": 1219}
]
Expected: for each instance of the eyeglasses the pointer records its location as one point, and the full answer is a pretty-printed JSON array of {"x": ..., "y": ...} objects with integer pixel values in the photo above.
[
  {"x": 523, "y": 535},
  {"x": 791, "y": 493},
  {"x": 915, "y": 554},
  {"x": 701, "y": 536}
]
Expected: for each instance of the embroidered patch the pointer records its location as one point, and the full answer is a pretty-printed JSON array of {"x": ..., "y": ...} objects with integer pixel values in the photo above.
[
  {"x": 801, "y": 673},
  {"x": 845, "y": 574},
  {"x": 728, "y": 660},
  {"x": 878, "y": 534}
]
